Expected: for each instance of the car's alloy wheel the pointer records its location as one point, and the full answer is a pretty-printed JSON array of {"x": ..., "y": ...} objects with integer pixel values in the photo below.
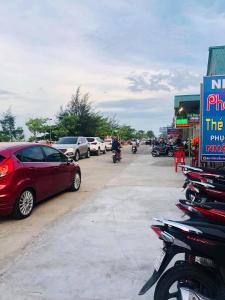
[
  {"x": 88, "y": 153},
  {"x": 24, "y": 204},
  {"x": 77, "y": 156},
  {"x": 76, "y": 182}
]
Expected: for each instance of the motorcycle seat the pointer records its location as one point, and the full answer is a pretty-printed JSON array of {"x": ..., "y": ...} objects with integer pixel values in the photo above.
[
  {"x": 214, "y": 171},
  {"x": 213, "y": 230},
  {"x": 220, "y": 187},
  {"x": 211, "y": 205}
]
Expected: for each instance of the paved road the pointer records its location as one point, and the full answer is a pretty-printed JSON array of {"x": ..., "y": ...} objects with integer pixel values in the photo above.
[{"x": 94, "y": 244}]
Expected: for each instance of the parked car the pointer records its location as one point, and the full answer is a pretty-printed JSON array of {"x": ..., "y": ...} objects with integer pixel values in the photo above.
[
  {"x": 108, "y": 144},
  {"x": 30, "y": 173},
  {"x": 96, "y": 145},
  {"x": 74, "y": 146}
]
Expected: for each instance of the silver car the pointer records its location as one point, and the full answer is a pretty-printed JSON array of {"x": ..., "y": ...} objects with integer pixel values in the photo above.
[{"x": 74, "y": 146}]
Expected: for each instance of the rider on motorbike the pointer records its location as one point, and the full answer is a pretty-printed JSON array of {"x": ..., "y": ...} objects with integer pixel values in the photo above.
[{"x": 116, "y": 145}]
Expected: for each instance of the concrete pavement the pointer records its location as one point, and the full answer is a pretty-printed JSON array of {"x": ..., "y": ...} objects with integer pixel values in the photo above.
[{"x": 104, "y": 249}]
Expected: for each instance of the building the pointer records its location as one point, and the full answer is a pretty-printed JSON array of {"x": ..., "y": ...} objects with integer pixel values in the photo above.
[
  {"x": 216, "y": 61},
  {"x": 187, "y": 114}
]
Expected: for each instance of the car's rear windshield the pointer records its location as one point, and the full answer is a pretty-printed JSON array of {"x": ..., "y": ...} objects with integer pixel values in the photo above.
[
  {"x": 1, "y": 158},
  {"x": 90, "y": 139},
  {"x": 67, "y": 140}
]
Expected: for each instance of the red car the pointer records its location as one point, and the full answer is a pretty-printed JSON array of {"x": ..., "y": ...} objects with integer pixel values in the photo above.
[{"x": 30, "y": 173}]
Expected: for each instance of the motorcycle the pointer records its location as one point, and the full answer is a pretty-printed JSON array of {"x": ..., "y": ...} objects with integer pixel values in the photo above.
[
  {"x": 134, "y": 149},
  {"x": 116, "y": 156},
  {"x": 213, "y": 212},
  {"x": 200, "y": 275},
  {"x": 163, "y": 150},
  {"x": 205, "y": 175},
  {"x": 207, "y": 192}
]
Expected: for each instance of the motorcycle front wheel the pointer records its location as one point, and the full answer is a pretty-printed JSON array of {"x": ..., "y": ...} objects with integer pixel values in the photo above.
[
  {"x": 186, "y": 276},
  {"x": 190, "y": 195},
  {"x": 155, "y": 153},
  {"x": 170, "y": 153}
]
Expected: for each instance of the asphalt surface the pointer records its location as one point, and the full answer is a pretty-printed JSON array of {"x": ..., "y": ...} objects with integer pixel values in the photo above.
[{"x": 94, "y": 244}]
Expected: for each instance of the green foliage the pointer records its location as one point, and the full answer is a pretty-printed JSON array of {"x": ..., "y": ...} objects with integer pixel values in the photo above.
[
  {"x": 36, "y": 126},
  {"x": 9, "y": 131},
  {"x": 150, "y": 134},
  {"x": 126, "y": 132}
]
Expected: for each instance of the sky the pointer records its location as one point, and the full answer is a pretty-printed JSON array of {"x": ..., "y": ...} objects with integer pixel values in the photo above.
[{"x": 131, "y": 56}]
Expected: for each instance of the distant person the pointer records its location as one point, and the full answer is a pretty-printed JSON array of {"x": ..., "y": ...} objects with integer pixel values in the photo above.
[{"x": 116, "y": 145}]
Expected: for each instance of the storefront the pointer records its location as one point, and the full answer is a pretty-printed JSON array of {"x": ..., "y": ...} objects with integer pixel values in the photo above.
[{"x": 187, "y": 115}]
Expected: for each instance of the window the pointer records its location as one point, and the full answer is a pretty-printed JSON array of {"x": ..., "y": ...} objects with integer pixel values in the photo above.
[
  {"x": 84, "y": 141},
  {"x": 90, "y": 140},
  {"x": 67, "y": 140},
  {"x": 31, "y": 154},
  {"x": 1, "y": 158},
  {"x": 53, "y": 155}
]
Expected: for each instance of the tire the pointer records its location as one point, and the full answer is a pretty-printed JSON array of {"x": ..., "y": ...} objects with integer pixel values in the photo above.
[
  {"x": 179, "y": 273},
  {"x": 88, "y": 153},
  {"x": 155, "y": 153},
  {"x": 114, "y": 159},
  {"x": 24, "y": 204},
  {"x": 77, "y": 156},
  {"x": 170, "y": 154},
  {"x": 76, "y": 182},
  {"x": 104, "y": 151},
  {"x": 98, "y": 152},
  {"x": 190, "y": 195}
]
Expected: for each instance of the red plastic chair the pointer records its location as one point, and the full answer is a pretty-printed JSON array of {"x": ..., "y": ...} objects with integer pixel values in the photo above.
[{"x": 179, "y": 157}]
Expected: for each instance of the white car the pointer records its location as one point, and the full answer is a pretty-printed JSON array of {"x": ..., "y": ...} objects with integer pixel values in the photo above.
[
  {"x": 96, "y": 145},
  {"x": 108, "y": 144}
]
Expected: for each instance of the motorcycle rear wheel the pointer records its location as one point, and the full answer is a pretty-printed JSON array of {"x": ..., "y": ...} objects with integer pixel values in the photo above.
[{"x": 189, "y": 276}]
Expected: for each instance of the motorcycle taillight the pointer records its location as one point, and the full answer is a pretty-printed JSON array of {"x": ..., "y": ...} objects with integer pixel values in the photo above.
[{"x": 157, "y": 230}]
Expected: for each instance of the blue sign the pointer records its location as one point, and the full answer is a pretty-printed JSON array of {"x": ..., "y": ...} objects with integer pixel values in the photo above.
[{"x": 213, "y": 119}]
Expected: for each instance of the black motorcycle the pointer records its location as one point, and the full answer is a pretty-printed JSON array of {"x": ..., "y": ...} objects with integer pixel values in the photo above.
[
  {"x": 134, "y": 149},
  {"x": 200, "y": 275},
  {"x": 163, "y": 150}
]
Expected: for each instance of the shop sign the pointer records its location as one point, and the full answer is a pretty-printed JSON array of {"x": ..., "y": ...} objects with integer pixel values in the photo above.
[
  {"x": 163, "y": 129},
  {"x": 193, "y": 118},
  {"x": 213, "y": 119},
  {"x": 182, "y": 122},
  {"x": 173, "y": 132}
]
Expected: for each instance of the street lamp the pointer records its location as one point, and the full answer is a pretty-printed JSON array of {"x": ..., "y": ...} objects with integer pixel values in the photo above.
[{"x": 50, "y": 130}]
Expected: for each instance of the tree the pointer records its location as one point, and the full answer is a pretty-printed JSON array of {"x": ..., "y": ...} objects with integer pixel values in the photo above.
[
  {"x": 78, "y": 118},
  {"x": 150, "y": 134},
  {"x": 36, "y": 126},
  {"x": 140, "y": 134},
  {"x": 126, "y": 132},
  {"x": 9, "y": 131}
]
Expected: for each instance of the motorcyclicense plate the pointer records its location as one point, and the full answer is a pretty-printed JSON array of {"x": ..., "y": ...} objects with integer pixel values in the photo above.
[{"x": 158, "y": 260}]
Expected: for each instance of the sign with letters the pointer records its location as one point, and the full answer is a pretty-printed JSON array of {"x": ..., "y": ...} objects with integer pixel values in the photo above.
[{"x": 213, "y": 119}]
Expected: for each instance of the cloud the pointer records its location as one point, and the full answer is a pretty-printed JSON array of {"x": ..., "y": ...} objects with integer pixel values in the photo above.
[
  {"x": 5, "y": 93},
  {"x": 169, "y": 81},
  {"x": 141, "y": 114}
]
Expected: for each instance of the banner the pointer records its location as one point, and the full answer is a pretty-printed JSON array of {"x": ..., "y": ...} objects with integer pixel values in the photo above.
[{"x": 213, "y": 119}]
